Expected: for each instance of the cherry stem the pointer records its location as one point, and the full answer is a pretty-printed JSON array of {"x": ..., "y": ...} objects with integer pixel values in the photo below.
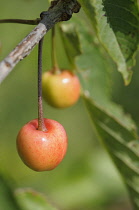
[
  {"x": 21, "y": 21},
  {"x": 41, "y": 124},
  {"x": 54, "y": 57}
]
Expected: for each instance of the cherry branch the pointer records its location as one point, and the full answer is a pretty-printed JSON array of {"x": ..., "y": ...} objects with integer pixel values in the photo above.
[{"x": 60, "y": 10}]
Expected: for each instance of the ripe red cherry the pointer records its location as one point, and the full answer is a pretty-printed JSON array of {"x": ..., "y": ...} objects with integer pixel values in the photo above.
[
  {"x": 61, "y": 89},
  {"x": 39, "y": 150}
]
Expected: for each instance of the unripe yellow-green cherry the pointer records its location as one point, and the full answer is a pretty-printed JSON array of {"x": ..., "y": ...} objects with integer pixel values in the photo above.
[{"x": 62, "y": 89}]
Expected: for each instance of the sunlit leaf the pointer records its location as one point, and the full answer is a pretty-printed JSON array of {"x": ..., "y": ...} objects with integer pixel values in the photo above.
[
  {"x": 121, "y": 143},
  {"x": 95, "y": 74},
  {"x": 116, "y": 24},
  {"x": 116, "y": 129}
]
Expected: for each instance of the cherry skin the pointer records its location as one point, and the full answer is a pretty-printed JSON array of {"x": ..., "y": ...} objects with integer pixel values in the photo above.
[
  {"x": 39, "y": 150},
  {"x": 61, "y": 89}
]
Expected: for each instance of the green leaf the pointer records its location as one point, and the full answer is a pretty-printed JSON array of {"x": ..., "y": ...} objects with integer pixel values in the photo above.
[
  {"x": 29, "y": 199},
  {"x": 121, "y": 143},
  {"x": 7, "y": 199},
  {"x": 71, "y": 42},
  {"x": 94, "y": 66},
  {"x": 95, "y": 74},
  {"x": 117, "y": 130},
  {"x": 116, "y": 23}
]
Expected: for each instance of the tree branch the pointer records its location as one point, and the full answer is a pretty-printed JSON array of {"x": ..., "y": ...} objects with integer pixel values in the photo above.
[{"x": 60, "y": 10}]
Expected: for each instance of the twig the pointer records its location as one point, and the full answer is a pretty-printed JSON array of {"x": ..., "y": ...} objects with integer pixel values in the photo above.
[
  {"x": 29, "y": 22},
  {"x": 60, "y": 10},
  {"x": 41, "y": 124}
]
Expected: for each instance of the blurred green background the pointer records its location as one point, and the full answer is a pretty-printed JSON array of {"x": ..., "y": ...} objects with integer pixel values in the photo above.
[{"x": 86, "y": 179}]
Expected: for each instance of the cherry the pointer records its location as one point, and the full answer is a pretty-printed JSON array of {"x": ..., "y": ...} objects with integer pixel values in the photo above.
[
  {"x": 42, "y": 150},
  {"x": 60, "y": 89},
  {"x": 41, "y": 143}
]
